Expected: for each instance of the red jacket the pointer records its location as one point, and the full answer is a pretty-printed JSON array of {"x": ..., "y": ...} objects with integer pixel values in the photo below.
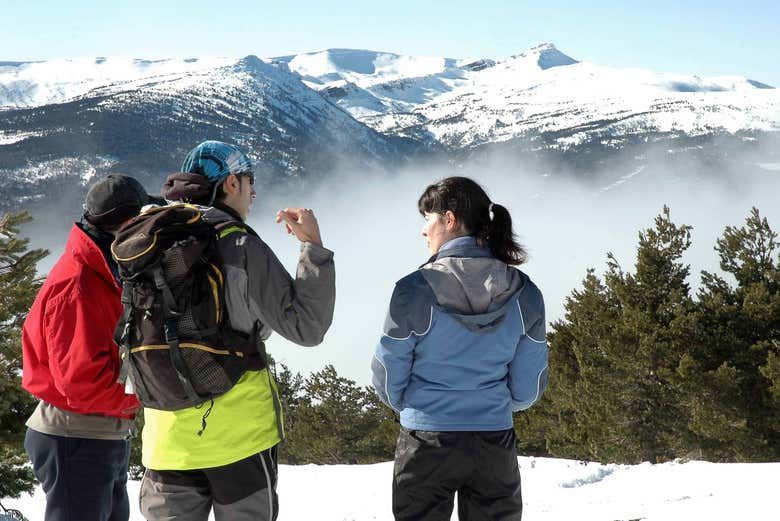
[{"x": 70, "y": 358}]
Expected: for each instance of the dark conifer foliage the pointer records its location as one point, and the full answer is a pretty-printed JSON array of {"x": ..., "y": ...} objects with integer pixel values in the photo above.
[
  {"x": 330, "y": 419},
  {"x": 732, "y": 375},
  {"x": 644, "y": 370},
  {"x": 18, "y": 287}
]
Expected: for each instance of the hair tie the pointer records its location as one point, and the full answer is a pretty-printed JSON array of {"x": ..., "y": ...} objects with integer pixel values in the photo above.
[{"x": 490, "y": 211}]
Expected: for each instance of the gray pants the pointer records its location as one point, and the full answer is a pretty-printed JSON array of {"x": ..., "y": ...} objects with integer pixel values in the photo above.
[{"x": 241, "y": 491}]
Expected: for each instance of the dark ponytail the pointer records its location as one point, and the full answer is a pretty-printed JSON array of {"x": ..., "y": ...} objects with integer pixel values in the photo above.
[
  {"x": 490, "y": 223},
  {"x": 502, "y": 240}
]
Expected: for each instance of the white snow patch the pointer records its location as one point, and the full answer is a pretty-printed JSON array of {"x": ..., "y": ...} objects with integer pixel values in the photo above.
[
  {"x": 9, "y": 138},
  {"x": 66, "y": 166},
  {"x": 624, "y": 179},
  {"x": 553, "y": 489}
]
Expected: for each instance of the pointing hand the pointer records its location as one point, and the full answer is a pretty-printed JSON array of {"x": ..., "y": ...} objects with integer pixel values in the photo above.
[{"x": 301, "y": 223}]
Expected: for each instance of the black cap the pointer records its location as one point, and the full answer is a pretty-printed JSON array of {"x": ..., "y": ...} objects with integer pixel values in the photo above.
[{"x": 115, "y": 199}]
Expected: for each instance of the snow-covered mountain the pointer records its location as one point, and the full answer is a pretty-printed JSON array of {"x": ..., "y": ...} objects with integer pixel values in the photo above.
[
  {"x": 32, "y": 84},
  {"x": 541, "y": 93},
  {"x": 315, "y": 113},
  {"x": 368, "y": 83},
  {"x": 582, "y": 101},
  {"x": 88, "y": 122}
]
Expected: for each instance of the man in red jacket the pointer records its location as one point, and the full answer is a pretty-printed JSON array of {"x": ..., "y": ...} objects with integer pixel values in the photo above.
[{"x": 77, "y": 438}]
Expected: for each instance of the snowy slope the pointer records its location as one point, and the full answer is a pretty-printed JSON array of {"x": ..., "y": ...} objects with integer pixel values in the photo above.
[
  {"x": 146, "y": 123},
  {"x": 553, "y": 490},
  {"x": 30, "y": 84},
  {"x": 368, "y": 83},
  {"x": 340, "y": 109},
  {"x": 541, "y": 92},
  {"x": 580, "y": 101}
]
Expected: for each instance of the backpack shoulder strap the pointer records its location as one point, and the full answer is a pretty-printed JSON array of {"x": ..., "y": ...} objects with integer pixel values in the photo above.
[
  {"x": 226, "y": 228},
  {"x": 171, "y": 326},
  {"x": 230, "y": 227}
]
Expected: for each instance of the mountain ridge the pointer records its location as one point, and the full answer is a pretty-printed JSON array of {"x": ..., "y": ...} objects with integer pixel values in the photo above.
[{"x": 302, "y": 117}]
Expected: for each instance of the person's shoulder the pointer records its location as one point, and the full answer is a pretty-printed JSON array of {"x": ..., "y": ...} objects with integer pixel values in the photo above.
[
  {"x": 412, "y": 288},
  {"x": 231, "y": 232},
  {"x": 530, "y": 296},
  {"x": 66, "y": 289},
  {"x": 410, "y": 307},
  {"x": 530, "y": 286},
  {"x": 222, "y": 220},
  {"x": 412, "y": 281}
]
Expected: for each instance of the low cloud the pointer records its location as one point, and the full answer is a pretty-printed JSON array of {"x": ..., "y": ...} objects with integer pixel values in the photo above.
[{"x": 568, "y": 224}]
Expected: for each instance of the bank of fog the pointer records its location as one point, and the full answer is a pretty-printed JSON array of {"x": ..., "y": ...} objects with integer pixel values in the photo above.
[{"x": 373, "y": 226}]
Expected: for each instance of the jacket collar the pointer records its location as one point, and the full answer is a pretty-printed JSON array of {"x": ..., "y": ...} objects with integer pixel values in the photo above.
[
  {"x": 460, "y": 248},
  {"x": 220, "y": 214},
  {"x": 87, "y": 253},
  {"x": 228, "y": 210}
]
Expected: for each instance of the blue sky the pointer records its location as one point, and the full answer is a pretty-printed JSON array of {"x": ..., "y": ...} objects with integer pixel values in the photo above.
[{"x": 687, "y": 36}]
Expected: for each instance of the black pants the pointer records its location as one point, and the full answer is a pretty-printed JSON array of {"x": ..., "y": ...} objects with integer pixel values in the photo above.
[
  {"x": 242, "y": 491},
  {"x": 430, "y": 467},
  {"x": 84, "y": 479}
]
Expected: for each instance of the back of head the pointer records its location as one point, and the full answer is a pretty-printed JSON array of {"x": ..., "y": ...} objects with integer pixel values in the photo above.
[
  {"x": 203, "y": 171},
  {"x": 489, "y": 222},
  {"x": 114, "y": 199}
]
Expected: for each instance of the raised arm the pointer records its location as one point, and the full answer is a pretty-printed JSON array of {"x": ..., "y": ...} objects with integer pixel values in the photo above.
[{"x": 258, "y": 286}]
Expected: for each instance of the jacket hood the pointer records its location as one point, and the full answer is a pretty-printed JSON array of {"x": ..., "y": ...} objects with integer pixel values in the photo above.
[
  {"x": 468, "y": 280},
  {"x": 193, "y": 188},
  {"x": 88, "y": 253}
]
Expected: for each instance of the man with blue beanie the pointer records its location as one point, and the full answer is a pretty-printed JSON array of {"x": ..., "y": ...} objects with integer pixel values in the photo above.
[{"x": 231, "y": 466}]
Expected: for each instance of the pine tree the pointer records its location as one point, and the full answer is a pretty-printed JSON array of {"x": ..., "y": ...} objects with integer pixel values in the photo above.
[
  {"x": 734, "y": 372},
  {"x": 290, "y": 388},
  {"x": 651, "y": 339},
  {"x": 640, "y": 370},
  {"x": 335, "y": 421},
  {"x": 18, "y": 287},
  {"x": 571, "y": 418},
  {"x": 614, "y": 385},
  {"x": 381, "y": 430}
]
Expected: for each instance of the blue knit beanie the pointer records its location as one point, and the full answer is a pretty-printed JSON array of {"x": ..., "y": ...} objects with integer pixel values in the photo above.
[{"x": 216, "y": 160}]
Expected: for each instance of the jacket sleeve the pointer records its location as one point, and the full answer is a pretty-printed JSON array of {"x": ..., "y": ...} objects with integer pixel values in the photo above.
[
  {"x": 528, "y": 368},
  {"x": 301, "y": 310},
  {"x": 83, "y": 359},
  {"x": 408, "y": 321}
]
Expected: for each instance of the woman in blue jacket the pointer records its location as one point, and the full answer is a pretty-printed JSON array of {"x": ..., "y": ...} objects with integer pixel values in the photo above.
[{"x": 463, "y": 347}]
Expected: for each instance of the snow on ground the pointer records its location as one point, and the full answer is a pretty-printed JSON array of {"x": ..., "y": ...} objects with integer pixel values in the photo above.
[{"x": 553, "y": 489}]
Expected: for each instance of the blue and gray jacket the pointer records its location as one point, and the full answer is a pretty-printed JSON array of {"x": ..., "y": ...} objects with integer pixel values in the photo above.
[{"x": 464, "y": 343}]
